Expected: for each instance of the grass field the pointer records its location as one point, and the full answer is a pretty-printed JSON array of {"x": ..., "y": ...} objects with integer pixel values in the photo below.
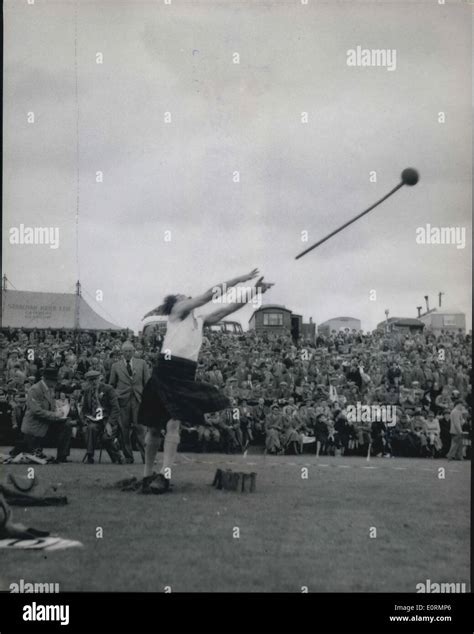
[{"x": 294, "y": 532}]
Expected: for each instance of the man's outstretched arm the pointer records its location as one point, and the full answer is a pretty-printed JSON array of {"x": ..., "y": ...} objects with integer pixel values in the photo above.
[{"x": 187, "y": 305}]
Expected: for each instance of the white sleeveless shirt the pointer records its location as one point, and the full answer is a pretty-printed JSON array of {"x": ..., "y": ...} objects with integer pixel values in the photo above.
[{"x": 184, "y": 337}]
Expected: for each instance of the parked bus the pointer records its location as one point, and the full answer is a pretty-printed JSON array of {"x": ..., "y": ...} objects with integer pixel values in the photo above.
[
  {"x": 229, "y": 327},
  {"x": 156, "y": 325}
]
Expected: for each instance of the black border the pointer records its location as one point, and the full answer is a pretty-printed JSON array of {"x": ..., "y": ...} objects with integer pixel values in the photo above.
[{"x": 235, "y": 613}]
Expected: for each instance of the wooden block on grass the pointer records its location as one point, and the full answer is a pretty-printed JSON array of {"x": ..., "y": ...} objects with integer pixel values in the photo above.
[{"x": 235, "y": 481}]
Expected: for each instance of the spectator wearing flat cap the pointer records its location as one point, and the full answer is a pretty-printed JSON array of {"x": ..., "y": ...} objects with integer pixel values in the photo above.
[
  {"x": 101, "y": 414},
  {"x": 42, "y": 421}
]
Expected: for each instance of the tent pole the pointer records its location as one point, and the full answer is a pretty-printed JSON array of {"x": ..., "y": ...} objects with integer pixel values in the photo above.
[{"x": 77, "y": 320}]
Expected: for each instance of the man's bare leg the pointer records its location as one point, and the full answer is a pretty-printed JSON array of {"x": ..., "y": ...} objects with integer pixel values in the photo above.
[
  {"x": 152, "y": 444},
  {"x": 160, "y": 483},
  {"x": 170, "y": 448}
]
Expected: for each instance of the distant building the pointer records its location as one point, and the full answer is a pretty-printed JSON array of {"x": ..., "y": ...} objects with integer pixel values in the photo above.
[
  {"x": 279, "y": 319},
  {"x": 447, "y": 319},
  {"x": 338, "y": 324},
  {"x": 300, "y": 329},
  {"x": 401, "y": 324}
]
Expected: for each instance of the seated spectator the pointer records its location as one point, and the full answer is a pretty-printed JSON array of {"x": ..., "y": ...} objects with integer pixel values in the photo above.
[
  {"x": 291, "y": 437},
  {"x": 101, "y": 415},
  {"x": 418, "y": 424},
  {"x": 209, "y": 435},
  {"x": 67, "y": 372},
  {"x": 229, "y": 429},
  {"x": 433, "y": 432},
  {"x": 443, "y": 401},
  {"x": 273, "y": 430}
]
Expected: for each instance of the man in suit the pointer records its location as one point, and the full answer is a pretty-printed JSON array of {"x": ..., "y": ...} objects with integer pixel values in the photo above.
[
  {"x": 457, "y": 419},
  {"x": 41, "y": 417},
  {"x": 129, "y": 376},
  {"x": 100, "y": 402}
]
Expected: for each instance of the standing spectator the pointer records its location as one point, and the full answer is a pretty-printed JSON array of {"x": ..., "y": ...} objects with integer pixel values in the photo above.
[
  {"x": 445, "y": 436},
  {"x": 19, "y": 410},
  {"x": 108, "y": 362},
  {"x": 457, "y": 419},
  {"x": 129, "y": 376},
  {"x": 320, "y": 433},
  {"x": 6, "y": 413},
  {"x": 378, "y": 437}
]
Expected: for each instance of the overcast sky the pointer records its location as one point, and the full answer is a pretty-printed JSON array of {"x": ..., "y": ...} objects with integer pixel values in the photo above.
[{"x": 244, "y": 117}]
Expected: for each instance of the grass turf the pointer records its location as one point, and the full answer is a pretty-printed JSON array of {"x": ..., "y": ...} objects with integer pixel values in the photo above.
[{"x": 294, "y": 532}]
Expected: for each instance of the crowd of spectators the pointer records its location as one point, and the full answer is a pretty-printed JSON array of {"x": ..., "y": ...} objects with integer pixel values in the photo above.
[{"x": 287, "y": 396}]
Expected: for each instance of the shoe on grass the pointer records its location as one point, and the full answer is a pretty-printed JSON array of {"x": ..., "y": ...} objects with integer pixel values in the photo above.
[
  {"x": 160, "y": 485},
  {"x": 146, "y": 482}
]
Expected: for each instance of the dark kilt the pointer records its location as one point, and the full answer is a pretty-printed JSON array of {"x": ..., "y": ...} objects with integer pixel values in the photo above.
[{"x": 172, "y": 392}]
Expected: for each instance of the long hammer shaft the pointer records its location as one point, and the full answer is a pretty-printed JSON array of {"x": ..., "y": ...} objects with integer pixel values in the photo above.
[{"x": 349, "y": 222}]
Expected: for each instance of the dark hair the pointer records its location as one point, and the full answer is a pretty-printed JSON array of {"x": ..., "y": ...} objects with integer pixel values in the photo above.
[{"x": 167, "y": 305}]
